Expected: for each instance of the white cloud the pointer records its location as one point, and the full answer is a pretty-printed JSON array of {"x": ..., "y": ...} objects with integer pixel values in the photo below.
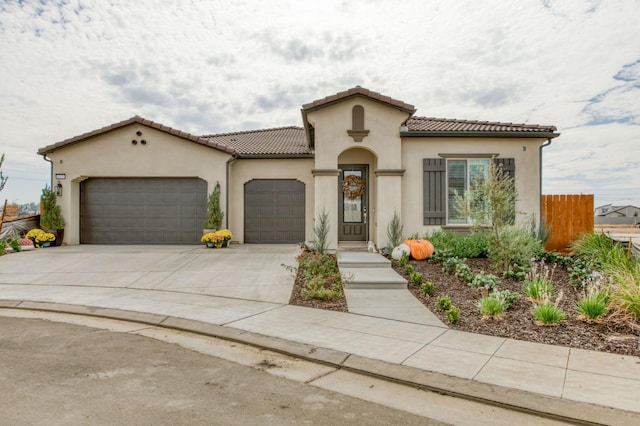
[{"x": 210, "y": 66}]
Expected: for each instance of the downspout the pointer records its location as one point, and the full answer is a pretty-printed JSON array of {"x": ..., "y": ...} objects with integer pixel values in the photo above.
[
  {"x": 230, "y": 161},
  {"x": 547, "y": 143}
]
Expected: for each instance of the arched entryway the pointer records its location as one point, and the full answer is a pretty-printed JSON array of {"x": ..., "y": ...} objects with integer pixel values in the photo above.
[{"x": 356, "y": 195}]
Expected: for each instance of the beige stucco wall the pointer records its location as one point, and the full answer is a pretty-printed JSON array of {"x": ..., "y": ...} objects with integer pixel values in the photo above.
[
  {"x": 380, "y": 149},
  {"x": 244, "y": 170},
  {"x": 113, "y": 155},
  {"x": 527, "y": 171}
]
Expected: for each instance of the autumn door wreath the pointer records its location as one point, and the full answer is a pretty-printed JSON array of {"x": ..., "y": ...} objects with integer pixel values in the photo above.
[{"x": 353, "y": 186}]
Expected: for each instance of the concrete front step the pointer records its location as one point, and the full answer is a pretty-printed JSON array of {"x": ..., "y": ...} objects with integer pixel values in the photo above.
[
  {"x": 352, "y": 259},
  {"x": 362, "y": 278}
]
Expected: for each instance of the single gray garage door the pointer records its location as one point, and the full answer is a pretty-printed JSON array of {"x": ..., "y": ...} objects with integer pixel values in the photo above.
[
  {"x": 274, "y": 211},
  {"x": 142, "y": 211}
]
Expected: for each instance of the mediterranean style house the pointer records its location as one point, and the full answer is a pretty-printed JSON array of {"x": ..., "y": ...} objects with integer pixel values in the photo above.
[{"x": 360, "y": 157}]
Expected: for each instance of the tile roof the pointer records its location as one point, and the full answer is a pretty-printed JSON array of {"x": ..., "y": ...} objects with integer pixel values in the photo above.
[
  {"x": 281, "y": 141},
  {"x": 431, "y": 126},
  {"x": 358, "y": 91},
  {"x": 137, "y": 119}
]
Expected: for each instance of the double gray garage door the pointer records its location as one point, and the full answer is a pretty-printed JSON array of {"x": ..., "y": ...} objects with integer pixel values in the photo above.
[{"x": 172, "y": 211}]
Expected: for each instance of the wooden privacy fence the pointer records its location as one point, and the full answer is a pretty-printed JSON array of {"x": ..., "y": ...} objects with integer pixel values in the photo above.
[{"x": 568, "y": 217}]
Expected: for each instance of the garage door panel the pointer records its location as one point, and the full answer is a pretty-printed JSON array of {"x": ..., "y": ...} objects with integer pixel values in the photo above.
[
  {"x": 274, "y": 211},
  {"x": 142, "y": 211}
]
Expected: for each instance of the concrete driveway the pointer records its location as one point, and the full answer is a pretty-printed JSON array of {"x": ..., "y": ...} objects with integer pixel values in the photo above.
[{"x": 249, "y": 272}]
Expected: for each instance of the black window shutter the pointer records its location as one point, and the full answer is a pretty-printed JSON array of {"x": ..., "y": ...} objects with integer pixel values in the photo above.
[
  {"x": 508, "y": 165},
  {"x": 434, "y": 191}
]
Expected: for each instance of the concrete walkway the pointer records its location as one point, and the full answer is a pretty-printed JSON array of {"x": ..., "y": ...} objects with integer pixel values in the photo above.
[{"x": 218, "y": 292}]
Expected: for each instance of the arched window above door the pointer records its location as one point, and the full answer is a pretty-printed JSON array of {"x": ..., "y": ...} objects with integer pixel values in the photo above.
[{"x": 357, "y": 131}]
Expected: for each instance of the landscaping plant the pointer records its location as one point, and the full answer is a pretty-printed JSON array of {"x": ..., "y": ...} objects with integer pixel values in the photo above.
[
  {"x": 427, "y": 288},
  {"x": 482, "y": 280},
  {"x": 491, "y": 307},
  {"x": 443, "y": 303},
  {"x": 538, "y": 290},
  {"x": 214, "y": 217},
  {"x": 548, "y": 314},
  {"x": 321, "y": 233},
  {"x": 453, "y": 314},
  {"x": 463, "y": 272},
  {"x": 416, "y": 278},
  {"x": 463, "y": 246},
  {"x": 320, "y": 274},
  {"x": 593, "y": 306},
  {"x": 394, "y": 231}
]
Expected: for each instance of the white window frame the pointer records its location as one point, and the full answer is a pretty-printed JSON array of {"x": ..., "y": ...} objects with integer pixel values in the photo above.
[{"x": 468, "y": 179}]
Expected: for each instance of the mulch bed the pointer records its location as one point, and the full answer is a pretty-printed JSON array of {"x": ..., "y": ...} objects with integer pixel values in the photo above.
[{"x": 517, "y": 323}]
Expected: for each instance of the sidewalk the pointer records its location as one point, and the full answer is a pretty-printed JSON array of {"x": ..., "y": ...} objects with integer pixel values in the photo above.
[{"x": 116, "y": 282}]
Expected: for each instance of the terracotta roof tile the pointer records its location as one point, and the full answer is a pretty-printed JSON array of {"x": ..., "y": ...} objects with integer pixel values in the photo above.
[
  {"x": 427, "y": 125},
  {"x": 281, "y": 141},
  {"x": 137, "y": 119},
  {"x": 358, "y": 91}
]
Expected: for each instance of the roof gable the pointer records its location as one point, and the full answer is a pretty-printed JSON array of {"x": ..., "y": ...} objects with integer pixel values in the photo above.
[
  {"x": 137, "y": 119},
  {"x": 357, "y": 91}
]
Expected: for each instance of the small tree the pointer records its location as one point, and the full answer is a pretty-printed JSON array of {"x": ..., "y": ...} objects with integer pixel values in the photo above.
[
  {"x": 214, "y": 211},
  {"x": 491, "y": 205},
  {"x": 3, "y": 179},
  {"x": 321, "y": 232},
  {"x": 51, "y": 214},
  {"x": 394, "y": 231}
]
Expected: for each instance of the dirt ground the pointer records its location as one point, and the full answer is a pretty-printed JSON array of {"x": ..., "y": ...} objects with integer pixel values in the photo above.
[{"x": 518, "y": 322}]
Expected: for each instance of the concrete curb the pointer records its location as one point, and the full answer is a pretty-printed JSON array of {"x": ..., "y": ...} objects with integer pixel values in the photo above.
[{"x": 530, "y": 402}]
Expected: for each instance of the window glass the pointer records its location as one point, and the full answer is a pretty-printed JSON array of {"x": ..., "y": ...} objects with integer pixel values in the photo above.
[{"x": 463, "y": 176}]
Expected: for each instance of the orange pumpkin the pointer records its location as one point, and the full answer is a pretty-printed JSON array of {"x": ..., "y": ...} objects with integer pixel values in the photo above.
[{"x": 420, "y": 249}]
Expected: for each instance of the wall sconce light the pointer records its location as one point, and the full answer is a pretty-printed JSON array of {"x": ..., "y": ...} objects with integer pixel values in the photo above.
[{"x": 59, "y": 189}]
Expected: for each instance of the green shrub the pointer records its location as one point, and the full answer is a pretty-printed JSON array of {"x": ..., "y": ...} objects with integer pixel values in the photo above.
[
  {"x": 463, "y": 272},
  {"x": 538, "y": 290},
  {"x": 507, "y": 297},
  {"x": 555, "y": 258},
  {"x": 450, "y": 264},
  {"x": 491, "y": 307},
  {"x": 516, "y": 272},
  {"x": 453, "y": 314},
  {"x": 440, "y": 256},
  {"x": 404, "y": 260},
  {"x": 316, "y": 288},
  {"x": 408, "y": 269},
  {"x": 581, "y": 271},
  {"x": 512, "y": 246},
  {"x": 3, "y": 246},
  {"x": 443, "y": 303},
  {"x": 464, "y": 246},
  {"x": 548, "y": 314},
  {"x": 488, "y": 281},
  {"x": 427, "y": 288},
  {"x": 416, "y": 278}
]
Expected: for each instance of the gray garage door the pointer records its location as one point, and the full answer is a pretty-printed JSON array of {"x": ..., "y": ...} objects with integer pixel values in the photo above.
[
  {"x": 142, "y": 211},
  {"x": 274, "y": 211}
]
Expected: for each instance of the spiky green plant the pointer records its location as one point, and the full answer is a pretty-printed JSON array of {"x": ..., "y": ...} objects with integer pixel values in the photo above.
[
  {"x": 491, "y": 307},
  {"x": 548, "y": 314},
  {"x": 539, "y": 290},
  {"x": 394, "y": 231},
  {"x": 321, "y": 233}
]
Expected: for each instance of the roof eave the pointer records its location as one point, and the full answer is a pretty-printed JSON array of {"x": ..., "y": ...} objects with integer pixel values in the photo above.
[
  {"x": 463, "y": 134},
  {"x": 272, "y": 156}
]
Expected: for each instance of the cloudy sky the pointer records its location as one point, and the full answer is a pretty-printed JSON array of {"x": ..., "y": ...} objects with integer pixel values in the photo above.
[{"x": 207, "y": 66}]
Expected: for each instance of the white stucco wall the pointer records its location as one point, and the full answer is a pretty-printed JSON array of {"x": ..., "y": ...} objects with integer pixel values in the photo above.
[
  {"x": 380, "y": 149},
  {"x": 244, "y": 170},
  {"x": 112, "y": 154},
  {"x": 527, "y": 171}
]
